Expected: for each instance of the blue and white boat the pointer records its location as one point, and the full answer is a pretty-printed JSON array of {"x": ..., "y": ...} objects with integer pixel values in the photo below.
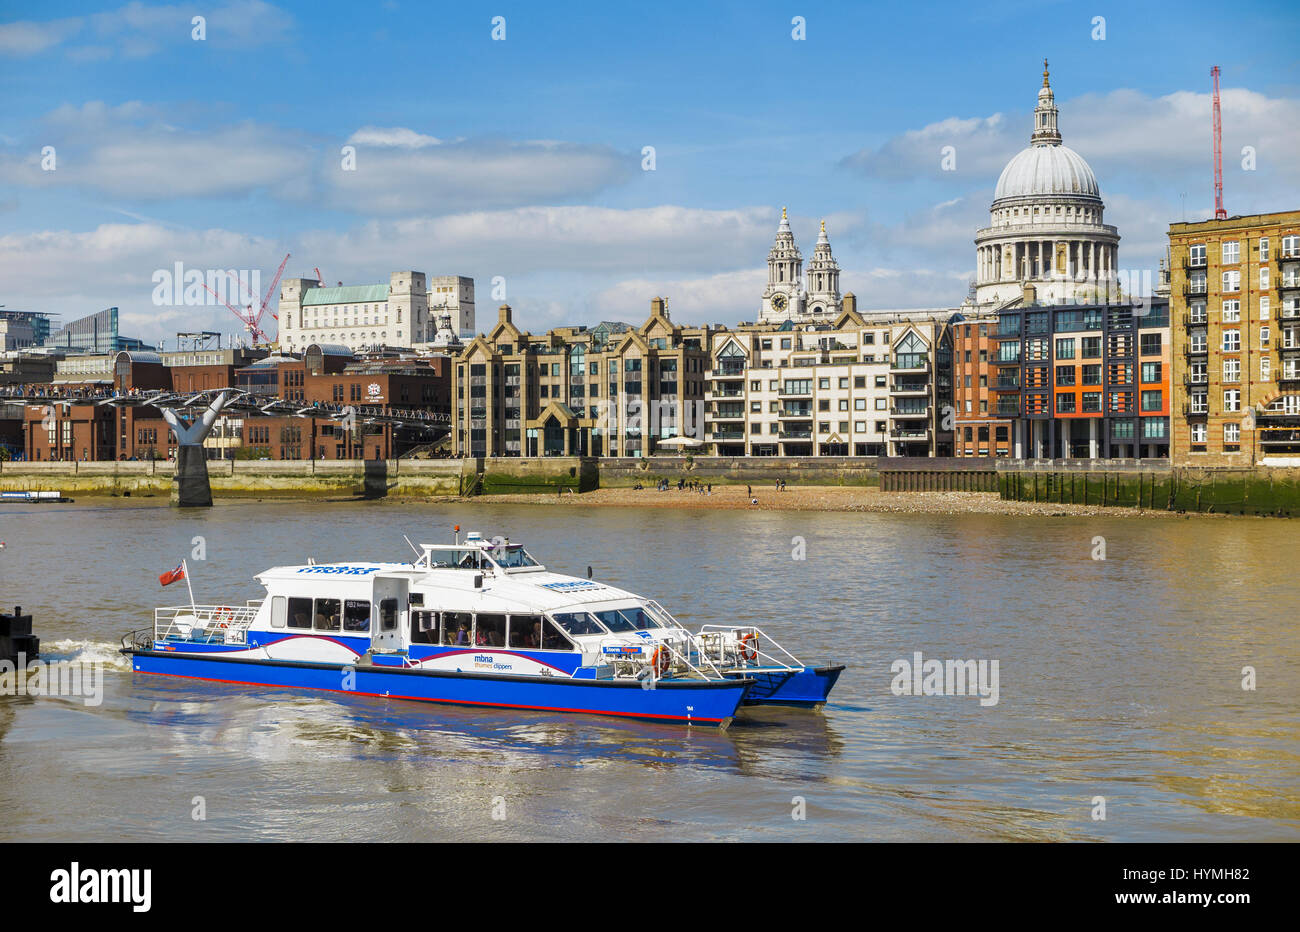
[{"x": 477, "y": 623}]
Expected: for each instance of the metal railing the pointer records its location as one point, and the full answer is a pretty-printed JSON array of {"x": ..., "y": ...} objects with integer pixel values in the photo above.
[
  {"x": 205, "y": 624},
  {"x": 740, "y": 647}
]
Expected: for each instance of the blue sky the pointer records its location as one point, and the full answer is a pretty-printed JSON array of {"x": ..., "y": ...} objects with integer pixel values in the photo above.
[{"x": 523, "y": 158}]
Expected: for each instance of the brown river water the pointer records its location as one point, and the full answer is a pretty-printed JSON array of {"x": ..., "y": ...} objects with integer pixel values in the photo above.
[{"x": 1118, "y": 678}]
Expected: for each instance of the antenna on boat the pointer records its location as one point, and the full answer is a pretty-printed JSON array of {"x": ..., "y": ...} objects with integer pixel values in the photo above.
[
  {"x": 457, "y": 530},
  {"x": 418, "y": 554}
]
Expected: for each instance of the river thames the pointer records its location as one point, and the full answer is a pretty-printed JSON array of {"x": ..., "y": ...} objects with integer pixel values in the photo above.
[{"x": 1120, "y": 680}]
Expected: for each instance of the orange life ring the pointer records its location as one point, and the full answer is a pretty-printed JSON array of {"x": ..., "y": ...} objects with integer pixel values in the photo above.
[
  {"x": 661, "y": 661},
  {"x": 222, "y": 616},
  {"x": 745, "y": 650}
]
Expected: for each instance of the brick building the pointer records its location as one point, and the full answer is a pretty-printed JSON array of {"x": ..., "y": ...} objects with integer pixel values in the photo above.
[{"x": 1236, "y": 315}]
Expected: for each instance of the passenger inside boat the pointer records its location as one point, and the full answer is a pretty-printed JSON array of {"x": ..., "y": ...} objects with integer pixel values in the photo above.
[
  {"x": 490, "y": 630},
  {"x": 356, "y": 615},
  {"x": 327, "y": 614}
]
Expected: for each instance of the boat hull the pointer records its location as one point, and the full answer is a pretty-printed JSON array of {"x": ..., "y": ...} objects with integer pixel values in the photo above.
[
  {"x": 806, "y": 688},
  {"x": 686, "y": 702}
]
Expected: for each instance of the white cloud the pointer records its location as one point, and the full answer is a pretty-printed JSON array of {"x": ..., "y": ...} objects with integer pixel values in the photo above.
[
  {"x": 401, "y": 171},
  {"x": 25, "y": 38},
  {"x": 137, "y": 30},
  {"x": 392, "y": 136},
  {"x": 1122, "y": 132},
  {"x": 130, "y": 151}
]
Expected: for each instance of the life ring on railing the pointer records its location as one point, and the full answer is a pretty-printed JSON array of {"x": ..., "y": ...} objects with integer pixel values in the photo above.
[
  {"x": 661, "y": 661},
  {"x": 745, "y": 650},
  {"x": 223, "y": 616}
]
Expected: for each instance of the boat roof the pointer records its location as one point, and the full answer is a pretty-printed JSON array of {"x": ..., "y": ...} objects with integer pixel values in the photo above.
[{"x": 531, "y": 591}]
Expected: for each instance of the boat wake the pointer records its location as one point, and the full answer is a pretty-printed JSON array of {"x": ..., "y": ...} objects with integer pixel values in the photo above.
[{"x": 76, "y": 651}]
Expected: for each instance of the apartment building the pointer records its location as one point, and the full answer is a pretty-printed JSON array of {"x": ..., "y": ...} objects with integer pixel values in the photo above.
[
  {"x": 611, "y": 390},
  {"x": 1084, "y": 381},
  {"x": 979, "y": 430},
  {"x": 867, "y": 384},
  {"x": 863, "y": 385},
  {"x": 1236, "y": 313}
]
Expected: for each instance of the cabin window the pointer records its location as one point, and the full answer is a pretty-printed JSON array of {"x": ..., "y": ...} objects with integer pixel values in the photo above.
[
  {"x": 327, "y": 614},
  {"x": 424, "y": 628},
  {"x": 536, "y": 632},
  {"x": 388, "y": 614},
  {"x": 627, "y": 619},
  {"x": 300, "y": 613},
  {"x": 489, "y": 630},
  {"x": 457, "y": 628},
  {"x": 356, "y": 615},
  {"x": 577, "y": 623},
  {"x": 279, "y": 610},
  {"x": 615, "y": 620},
  {"x": 526, "y": 631}
]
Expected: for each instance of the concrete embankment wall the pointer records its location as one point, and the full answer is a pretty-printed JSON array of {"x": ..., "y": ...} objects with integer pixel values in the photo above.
[
  {"x": 1155, "y": 485},
  {"x": 618, "y": 472},
  {"x": 249, "y": 478},
  {"x": 938, "y": 474}
]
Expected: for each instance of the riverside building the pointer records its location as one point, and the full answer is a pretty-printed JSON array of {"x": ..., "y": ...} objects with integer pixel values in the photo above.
[
  {"x": 1084, "y": 381},
  {"x": 406, "y": 312},
  {"x": 1236, "y": 314},
  {"x": 864, "y": 384}
]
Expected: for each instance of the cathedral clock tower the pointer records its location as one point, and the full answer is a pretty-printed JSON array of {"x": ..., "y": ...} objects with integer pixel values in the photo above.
[{"x": 783, "y": 297}]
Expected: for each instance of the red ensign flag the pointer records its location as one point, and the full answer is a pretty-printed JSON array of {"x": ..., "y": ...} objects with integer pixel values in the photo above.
[{"x": 172, "y": 576}]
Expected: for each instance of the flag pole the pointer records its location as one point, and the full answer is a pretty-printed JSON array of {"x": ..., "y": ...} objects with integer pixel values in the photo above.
[{"x": 185, "y": 567}]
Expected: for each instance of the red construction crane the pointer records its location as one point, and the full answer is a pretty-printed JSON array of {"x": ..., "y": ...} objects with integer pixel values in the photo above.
[
  {"x": 1219, "y": 212},
  {"x": 252, "y": 321}
]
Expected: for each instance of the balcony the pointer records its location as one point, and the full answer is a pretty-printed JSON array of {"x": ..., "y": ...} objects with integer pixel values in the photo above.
[
  {"x": 909, "y": 388},
  {"x": 1194, "y": 320},
  {"x": 1191, "y": 378},
  {"x": 910, "y": 412},
  {"x": 786, "y": 392},
  {"x": 1288, "y": 283},
  {"x": 1287, "y": 255},
  {"x": 1194, "y": 288},
  {"x": 800, "y": 413},
  {"x": 909, "y": 362},
  {"x": 796, "y": 434},
  {"x": 1198, "y": 349},
  {"x": 1194, "y": 263},
  {"x": 715, "y": 394},
  {"x": 727, "y": 435},
  {"x": 910, "y": 433},
  {"x": 726, "y": 373}
]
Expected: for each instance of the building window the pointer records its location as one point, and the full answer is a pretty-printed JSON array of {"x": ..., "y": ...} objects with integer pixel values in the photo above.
[
  {"x": 1152, "y": 400},
  {"x": 1065, "y": 404},
  {"x": 1232, "y": 433},
  {"x": 1150, "y": 372},
  {"x": 1232, "y": 400},
  {"x": 1231, "y": 252},
  {"x": 1263, "y": 249},
  {"x": 1264, "y": 337},
  {"x": 1198, "y": 433},
  {"x": 1150, "y": 344},
  {"x": 1196, "y": 255},
  {"x": 1232, "y": 341},
  {"x": 1065, "y": 348},
  {"x": 1232, "y": 281},
  {"x": 1231, "y": 311},
  {"x": 1231, "y": 370}
]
